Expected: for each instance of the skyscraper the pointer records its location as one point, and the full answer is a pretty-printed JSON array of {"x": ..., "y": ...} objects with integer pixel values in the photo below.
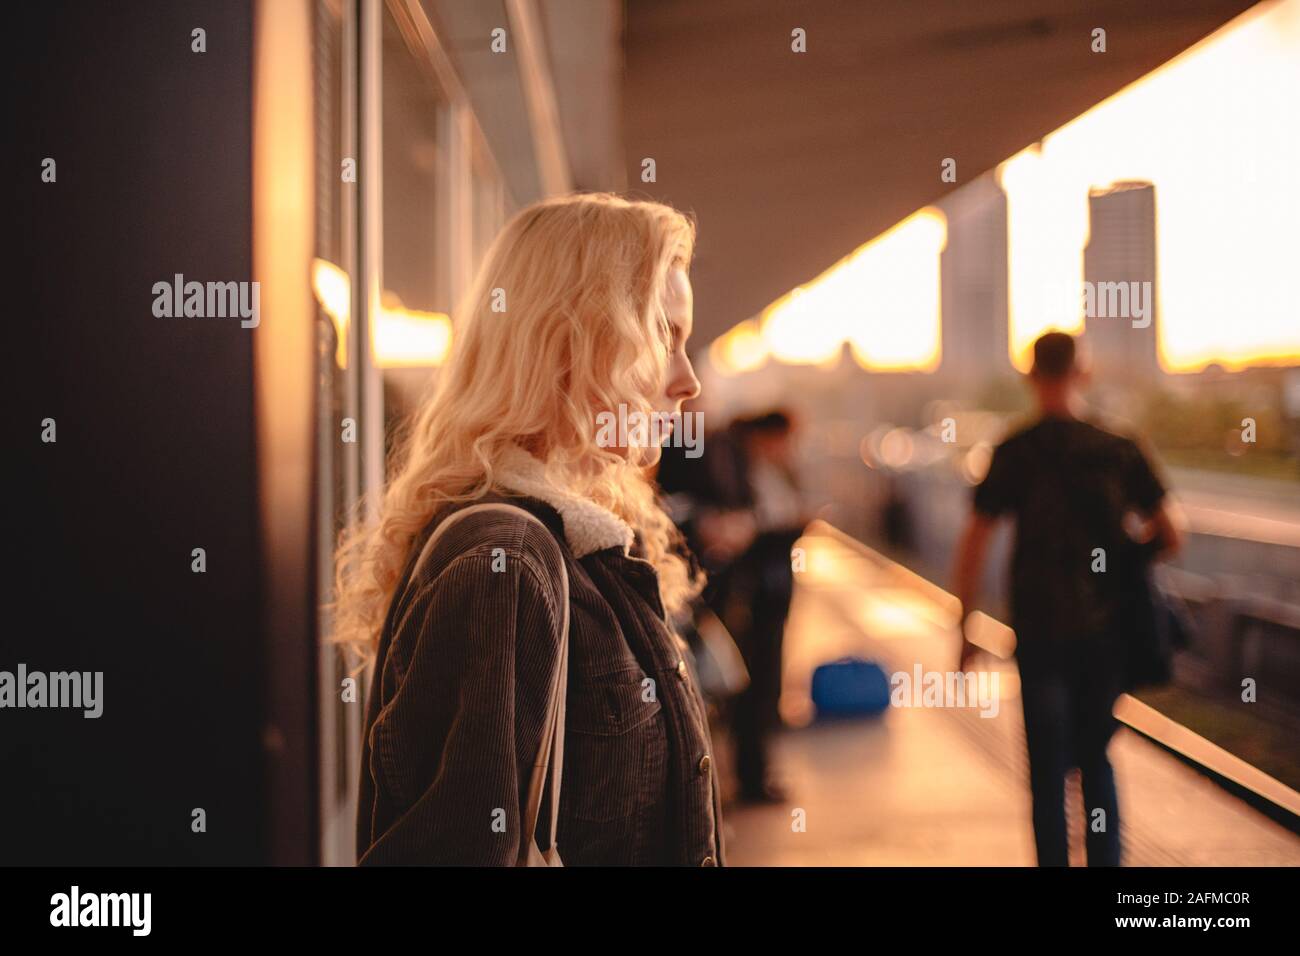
[
  {"x": 1119, "y": 271},
  {"x": 973, "y": 270}
]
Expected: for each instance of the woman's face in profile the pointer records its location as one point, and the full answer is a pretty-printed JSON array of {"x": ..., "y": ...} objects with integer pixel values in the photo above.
[{"x": 680, "y": 383}]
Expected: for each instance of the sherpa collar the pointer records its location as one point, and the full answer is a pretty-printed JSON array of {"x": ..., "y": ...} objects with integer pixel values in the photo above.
[{"x": 588, "y": 527}]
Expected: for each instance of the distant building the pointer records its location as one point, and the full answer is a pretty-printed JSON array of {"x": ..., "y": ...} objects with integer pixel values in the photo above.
[
  {"x": 1119, "y": 271},
  {"x": 973, "y": 271}
]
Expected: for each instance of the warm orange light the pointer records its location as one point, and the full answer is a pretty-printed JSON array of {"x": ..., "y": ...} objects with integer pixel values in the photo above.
[
  {"x": 897, "y": 273},
  {"x": 897, "y": 448},
  {"x": 883, "y": 299},
  {"x": 804, "y": 327},
  {"x": 410, "y": 338},
  {"x": 1216, "y": 131},
  {"x": 333, "y": 292},
  {"x": 401, "y": 337},
  {"x": 741, "y": 349}
]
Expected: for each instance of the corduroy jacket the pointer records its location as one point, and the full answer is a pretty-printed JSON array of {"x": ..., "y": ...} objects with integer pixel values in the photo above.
[{"x": 458, "y": 698}]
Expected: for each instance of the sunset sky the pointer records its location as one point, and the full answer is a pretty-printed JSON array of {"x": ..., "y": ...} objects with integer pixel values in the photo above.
[{"x": 1217, "y": 130}]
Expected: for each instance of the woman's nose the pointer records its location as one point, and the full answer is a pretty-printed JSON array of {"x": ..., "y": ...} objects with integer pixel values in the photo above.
[{"x": 686, "y": 387}]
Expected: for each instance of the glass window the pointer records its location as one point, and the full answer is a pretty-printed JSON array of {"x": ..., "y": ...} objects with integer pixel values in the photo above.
[
  {"x": 412, "y": 330},
  {"x": 429, "y": 216},
  {"x": 337, "y": 382},
  {"x": 416, "y": 268},
  {"x": 489, "y": 202}
]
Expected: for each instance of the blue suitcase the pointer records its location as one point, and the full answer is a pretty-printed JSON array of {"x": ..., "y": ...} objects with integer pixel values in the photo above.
[{"x": 850, "y": 687}]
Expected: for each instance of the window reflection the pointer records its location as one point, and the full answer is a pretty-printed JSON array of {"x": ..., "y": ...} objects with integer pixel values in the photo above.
[
  {"x": 441, "y": 200},
  {"x": 412, "y": 331},
  {"x": 337, "y": 464},
  {"x": 489, "y": 202}
]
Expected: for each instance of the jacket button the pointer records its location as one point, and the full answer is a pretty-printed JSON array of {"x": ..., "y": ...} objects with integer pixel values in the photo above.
[
  {"x": 681, "y": 668},
  {"x": 707, "y": 861},
  {"x": 705, "y": 763}
]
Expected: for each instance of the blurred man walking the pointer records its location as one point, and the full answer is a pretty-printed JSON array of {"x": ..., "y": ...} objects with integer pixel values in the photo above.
[{"x": 1072, "y": 488}]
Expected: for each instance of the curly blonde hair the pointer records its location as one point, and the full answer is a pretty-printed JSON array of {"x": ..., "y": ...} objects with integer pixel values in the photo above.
[{"x": 584, "y": 330}]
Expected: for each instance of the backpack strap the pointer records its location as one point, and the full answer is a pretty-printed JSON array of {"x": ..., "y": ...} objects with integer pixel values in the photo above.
[{"x": 548, "y": 766}]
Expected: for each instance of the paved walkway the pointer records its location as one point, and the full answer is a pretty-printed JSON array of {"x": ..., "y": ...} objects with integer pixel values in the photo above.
[{"x": 945, "y": 786}]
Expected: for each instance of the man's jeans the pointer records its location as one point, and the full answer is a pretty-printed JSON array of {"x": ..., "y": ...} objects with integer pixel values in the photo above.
[{"x": 1068, "y": 698}]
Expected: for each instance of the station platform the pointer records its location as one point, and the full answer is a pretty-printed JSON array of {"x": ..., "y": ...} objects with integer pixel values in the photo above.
[{"x": 943, "y": 786}]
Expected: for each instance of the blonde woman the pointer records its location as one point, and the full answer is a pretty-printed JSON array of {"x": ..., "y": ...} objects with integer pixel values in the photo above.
[{"x": 580, "y": 312}]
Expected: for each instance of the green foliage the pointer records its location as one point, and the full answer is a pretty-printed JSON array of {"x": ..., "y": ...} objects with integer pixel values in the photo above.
[{"x": 1204, "y": 430}]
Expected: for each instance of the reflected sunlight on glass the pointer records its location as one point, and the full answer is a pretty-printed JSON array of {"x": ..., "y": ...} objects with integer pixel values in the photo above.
[{"x": 402, "y": 337}]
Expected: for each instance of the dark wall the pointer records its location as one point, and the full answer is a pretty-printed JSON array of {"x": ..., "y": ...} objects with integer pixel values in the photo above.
[{"x": 155, "y": 438}]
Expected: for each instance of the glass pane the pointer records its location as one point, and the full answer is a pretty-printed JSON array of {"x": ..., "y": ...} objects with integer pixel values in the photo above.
[
  {"x": 337, "y": 468},
  {"x": 415, "y": 120},
  {"x": 415, "y": 274},
  {"x": 489, "y": 203}
]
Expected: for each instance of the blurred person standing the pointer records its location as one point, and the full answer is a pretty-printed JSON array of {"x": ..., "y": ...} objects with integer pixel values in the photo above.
[
  {"x": 757, "y": 595},
  {"x": 1072, "y": 487},
  {"x": 706, "y": 496},
  {"x": 706, "y": 499}
]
